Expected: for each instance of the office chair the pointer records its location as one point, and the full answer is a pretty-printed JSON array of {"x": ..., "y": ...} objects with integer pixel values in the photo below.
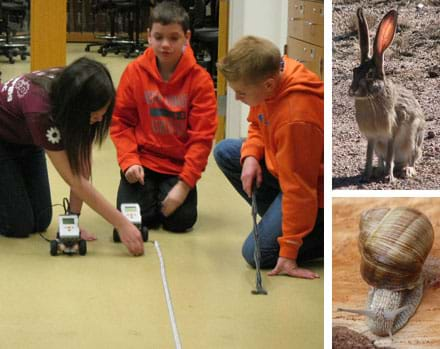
[{"x": 13, "y": 45}]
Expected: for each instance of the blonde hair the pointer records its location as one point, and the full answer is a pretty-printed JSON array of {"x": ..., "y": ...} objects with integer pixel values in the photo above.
[{"x": 251, "y": 60}]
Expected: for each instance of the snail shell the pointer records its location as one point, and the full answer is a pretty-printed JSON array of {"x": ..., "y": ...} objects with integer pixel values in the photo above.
[{"x": 394, "y": 244}]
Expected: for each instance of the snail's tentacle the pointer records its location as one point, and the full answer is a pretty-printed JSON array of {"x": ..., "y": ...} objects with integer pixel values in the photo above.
[
  {"x": 391, "y": 314},
  {"x": 365, "y": 312}
]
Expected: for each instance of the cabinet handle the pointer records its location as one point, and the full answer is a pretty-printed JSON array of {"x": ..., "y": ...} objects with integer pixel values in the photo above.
[
  {"x": 300, "y": 60},
  {"x": 316, "y": 10},
  {"x": 303, "y": 61}
]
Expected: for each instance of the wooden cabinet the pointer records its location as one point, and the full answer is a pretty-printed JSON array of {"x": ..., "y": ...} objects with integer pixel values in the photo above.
[{"x": 305, "y": 41}]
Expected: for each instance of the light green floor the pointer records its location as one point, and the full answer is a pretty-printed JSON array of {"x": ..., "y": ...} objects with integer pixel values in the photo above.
[{"x": 108, "y": 299}]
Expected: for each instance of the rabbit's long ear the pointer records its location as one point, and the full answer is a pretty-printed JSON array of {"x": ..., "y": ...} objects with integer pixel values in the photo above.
[
  {"x": 384, "y": 38},
  {"x": 364, "y": 39}
]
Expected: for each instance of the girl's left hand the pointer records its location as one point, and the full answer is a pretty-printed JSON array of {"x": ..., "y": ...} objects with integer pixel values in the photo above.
[{"x": 85, "y": 235}]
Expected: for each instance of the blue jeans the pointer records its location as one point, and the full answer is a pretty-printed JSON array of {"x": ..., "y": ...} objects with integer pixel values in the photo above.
[
  {"x": 25, "y": 203},
  {"x": 269, "y": 197}
]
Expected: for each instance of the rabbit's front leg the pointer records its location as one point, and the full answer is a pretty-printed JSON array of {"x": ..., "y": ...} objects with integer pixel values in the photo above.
[
  {"x": 369, "y": 161},
  {"x": 389, "y": 171},
  {"x": 409, "y": 171}
]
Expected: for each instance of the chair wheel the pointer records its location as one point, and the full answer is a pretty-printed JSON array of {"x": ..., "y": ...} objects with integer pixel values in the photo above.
[
  {"x": 127, "y": 55},
  {"x": 104, "y": 52},
  {"x": 87, "y": 49}
]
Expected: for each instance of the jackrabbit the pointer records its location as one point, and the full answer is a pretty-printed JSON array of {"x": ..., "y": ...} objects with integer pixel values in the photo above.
[{"x": 388, "y": 115}]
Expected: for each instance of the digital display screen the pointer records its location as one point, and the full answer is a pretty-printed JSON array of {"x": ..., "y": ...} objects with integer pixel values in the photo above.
[
  {"x": 130, "y": 208},
  {"x": 68, "y": 220}
]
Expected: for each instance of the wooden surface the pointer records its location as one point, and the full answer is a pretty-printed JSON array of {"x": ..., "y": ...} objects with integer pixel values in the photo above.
[
  {"x": 48, "y": 33},
  {"x": 349, "y": 289}
]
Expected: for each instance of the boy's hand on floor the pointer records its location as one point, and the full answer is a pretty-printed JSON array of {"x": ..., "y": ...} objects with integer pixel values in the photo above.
[
  {"x": 175, "y": 198},
  {"x": 251, "y": 171},
  {"x": 286, "y": 266},
  {"x": 135, "y": 174},
  {"x": 85, "y": 235}
]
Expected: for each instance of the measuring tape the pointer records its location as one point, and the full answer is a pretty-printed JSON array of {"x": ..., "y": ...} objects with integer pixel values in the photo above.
[{"x": 168, "y": 297}]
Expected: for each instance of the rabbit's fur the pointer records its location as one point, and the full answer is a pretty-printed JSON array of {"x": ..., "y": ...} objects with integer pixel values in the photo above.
[{"x": 388, "y": 115}]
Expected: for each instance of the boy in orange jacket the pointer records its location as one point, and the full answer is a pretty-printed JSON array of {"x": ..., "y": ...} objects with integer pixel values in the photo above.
[
  {"x": 164, "y": 123},
  {"x": 283, "y": 154}
]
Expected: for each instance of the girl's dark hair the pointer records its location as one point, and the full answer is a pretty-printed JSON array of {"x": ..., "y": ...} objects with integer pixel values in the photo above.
[
  {"x": 76, "y": 91},
  {"x": 170, "y": 12}
]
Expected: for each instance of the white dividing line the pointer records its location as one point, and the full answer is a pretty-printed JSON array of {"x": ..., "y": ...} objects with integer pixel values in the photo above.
[{"x": 168, "y": 297}]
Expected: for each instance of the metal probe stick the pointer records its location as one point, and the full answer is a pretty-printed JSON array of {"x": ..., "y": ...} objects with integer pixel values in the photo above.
[{"x": 257, "y": 253}]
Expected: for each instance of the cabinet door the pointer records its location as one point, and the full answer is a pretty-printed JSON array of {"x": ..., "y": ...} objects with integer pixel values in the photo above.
[
  {"x": 314, "y": 23},
  {"x": 311, "y": 56},
  {"x": 295, "y": 24},
  {"x": 306, "y": 21}
]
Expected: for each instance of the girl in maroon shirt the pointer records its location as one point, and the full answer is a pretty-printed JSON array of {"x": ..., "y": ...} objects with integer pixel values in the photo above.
[{"x": 60, "y": 112}]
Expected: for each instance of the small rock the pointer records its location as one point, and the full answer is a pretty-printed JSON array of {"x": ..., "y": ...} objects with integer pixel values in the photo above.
[
  {"x": 430, "y": 135},
  {"x": 434, "y": 72}
]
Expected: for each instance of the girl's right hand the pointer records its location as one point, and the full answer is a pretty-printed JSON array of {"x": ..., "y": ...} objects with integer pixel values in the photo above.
[
  {"x": 132, "y": 239},
  {"x": 135, "y": 174}
]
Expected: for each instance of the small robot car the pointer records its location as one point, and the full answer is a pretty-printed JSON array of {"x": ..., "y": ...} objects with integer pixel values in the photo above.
[
  {"x": 133, "y": 214},
  {"x": 68, "y": 239}
]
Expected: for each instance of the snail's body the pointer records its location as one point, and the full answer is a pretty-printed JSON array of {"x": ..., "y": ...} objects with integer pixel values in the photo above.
[{"x": 384, "y": 304}]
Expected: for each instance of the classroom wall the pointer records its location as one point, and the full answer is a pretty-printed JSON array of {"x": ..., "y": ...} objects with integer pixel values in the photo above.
[{"x": 263, "y": 18}]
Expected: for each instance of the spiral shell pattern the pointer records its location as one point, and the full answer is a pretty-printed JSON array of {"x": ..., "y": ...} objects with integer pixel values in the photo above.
[{"x": 394, "y": 244}]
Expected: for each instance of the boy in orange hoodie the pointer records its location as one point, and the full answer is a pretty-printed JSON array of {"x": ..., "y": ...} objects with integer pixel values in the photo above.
[
  {"x": 283, "y": 154},
  {"x": 164, "y": 123}
]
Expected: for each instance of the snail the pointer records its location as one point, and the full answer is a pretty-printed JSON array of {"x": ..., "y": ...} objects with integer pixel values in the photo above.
[{"x": 394, "y": 245}]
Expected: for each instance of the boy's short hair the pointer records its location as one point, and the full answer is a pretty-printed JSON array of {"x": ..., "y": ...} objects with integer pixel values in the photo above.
[
  {"x": 169, "y": 12},
  {"x": 251, "y": 60}
]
